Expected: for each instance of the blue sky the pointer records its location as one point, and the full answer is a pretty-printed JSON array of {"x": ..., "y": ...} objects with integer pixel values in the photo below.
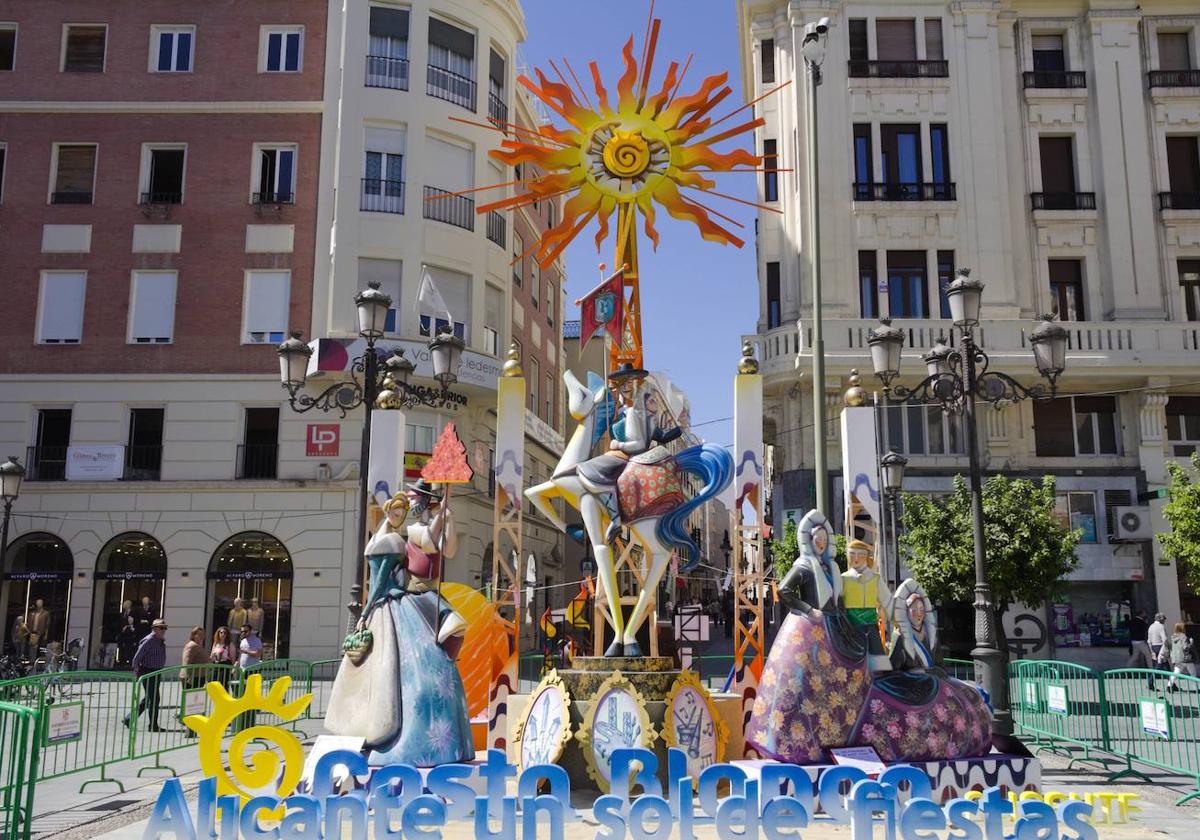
[{"x": 698, "y": 297}]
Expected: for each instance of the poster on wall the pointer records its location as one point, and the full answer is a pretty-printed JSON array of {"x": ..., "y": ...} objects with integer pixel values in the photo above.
[
  {"x": 95, "y": 463},
  {"x": 321, "y": 440}
]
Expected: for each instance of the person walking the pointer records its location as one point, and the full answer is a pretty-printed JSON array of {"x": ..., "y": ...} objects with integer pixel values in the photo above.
[
  {"x": 249, "y": 648},
  {"x": 1183, "y": 655},
  {"x": 150, "y": 658},
  {"x": 1156, "y": 638},
  {"x": 193, "y": 675}
]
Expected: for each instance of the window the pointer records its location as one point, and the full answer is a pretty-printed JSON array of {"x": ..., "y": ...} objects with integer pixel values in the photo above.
[
  {"x": 1066, "y": 289},
  {"x": 923, "y": 430},
  {"x": 1189, "y": 282},
  {"x": 550, "y": 303},
  {"x": 868, "y": 287},
  {"x": 455, "y": 289},
  {"x": 259, "y": 456},
  {"x": 497, "y": 106},
  {"x": 907, "y": 293},
  {"x": 274, "y": 175},
  {"x": 1174, "y": 52},
  {"x": 451, "y": 169},
  {"x": 3, "y": 161},
  {"x": 8, "y": 46},
  {"x": 534, "y": 281},
  {"x": 162, "y": 175},
  {"x": 383, "y": 171},
  {"x": 451, "y": 74},
  {"x": 152, "y": 307},
  {"x": 858, "y": 39},
  {"x": 1183, "y": 425},
  {"x": 774, "y": 313},
  {"x": 939, "y": 151},
  {"x": 767, "y": 52},
  {"x": 1058, "y": 170},
  {"x": 60, "y": 307},
  {"x": 900, "y": 154},
  {"x": 143, "y": 454},
  {"x": 933, "y": 39},
  {"x": 49, "y": 461},
  {"x": 945, "y": 278},
  {"x": 281, "y": 49},
  {"x": 518, "y": 258},
  {"x": 265, "y": 306},
  {"x": 1068, "y": 426},
  {"x": 387, "y": 274},
  {"x": 534, "y": 377},
  {"x": 387, "y": 50},
  {"x": 863, "y": 164},
  {"x": 493, "y": 319},
  {"x": 418, "y": 438},
  {"x": 896, "y": 40},
  {"x": 549, "y": 395},
  {"x": 74, "y": 174},
  {"x": 1048, "y": 54},
  {"x": 770, "y": 176},
  {"x": 1077, "y": 511},
  {"x": 83, "y": 48},
  {"x": 171, "y": 49},
  {"x": 1183, "y": 167}
]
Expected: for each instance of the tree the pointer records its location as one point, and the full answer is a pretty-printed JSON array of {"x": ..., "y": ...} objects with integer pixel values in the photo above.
[
  {"x": 783, "y": 552},
  {"x": 1029, "y": 551},
  {"x": 1182, "y": 512}
]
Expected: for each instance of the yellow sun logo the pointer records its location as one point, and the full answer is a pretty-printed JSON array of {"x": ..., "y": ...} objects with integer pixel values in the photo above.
[{"x": 255, "y": 772}]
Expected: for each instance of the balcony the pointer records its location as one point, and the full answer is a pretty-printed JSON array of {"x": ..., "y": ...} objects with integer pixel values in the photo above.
[
  {"x": 1063, "y": 201},
  {"x": 71, "y": 197},
  {"x": 1179, "y": 201},
  {"x": 1173, "y": 78},
  {"x": 257, "y": 460},
  {"x": 143, "y": 463},
  {"x": 46, "y": 463},
  {"x": 160, "y": 198},
  {"x": 444, "y": 206},
  {"x": 497, "y": 112},
  {"x": 444, "y": 84},
  {"x": 497, "y": 229},
  {"x": 262, "y": 199},
  {"x": 898, "y": 191},
  {"x": 1059, "y": 79},
  {"x": 380, "y": 196},
  {"x": 935, "y": 69},
  {"x": 386, "y": 72}
]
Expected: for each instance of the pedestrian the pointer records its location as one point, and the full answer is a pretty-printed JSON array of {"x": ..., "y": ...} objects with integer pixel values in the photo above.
[
  {"x": 127, "y": 641},
  {"x": 1156, "y": 638},
  {"x": 250, "y": 648},
  {"x": 1183, "y": 654},
  {"x": 222, "y": 647},
  {"x": 194, "y": 654},
  {"x": 149, "y": 659}
]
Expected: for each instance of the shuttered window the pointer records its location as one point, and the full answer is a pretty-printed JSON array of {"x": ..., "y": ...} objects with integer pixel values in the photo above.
[
  {"x": 387, "y": 274},
  {"x": 1114, "y": 499},
  {"x": 75, "y": 174},
  {"x": 152, "y": 307},
  {"x": 933, "y": 39},
  {"x": 896, "y": 40},
  {"x": 1183, "y": 164},
  {"x": 1048, "y": 53},
  {"x": 767, "y": 53},
  {"x": 389, "y": 23},
  {"x": 1058, "y": 164},
  {"x": 265, "y": 306},
  {"x": 60, "y": 307},
  {"x": 84, "y": 49},
  {"x": 493, "y": 314},
  {"x": 450, "y": 167},
  {"x": 858, "y": 39},
  {"x": 1053, "y": 428},
  {"x": 1096, "y": 428},
  {"x": 451, "y": 48},
  {"x": 1173, "y": 51}
]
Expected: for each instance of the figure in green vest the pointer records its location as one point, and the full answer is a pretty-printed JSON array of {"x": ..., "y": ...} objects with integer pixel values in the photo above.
[{"x": 864, "y": 596}]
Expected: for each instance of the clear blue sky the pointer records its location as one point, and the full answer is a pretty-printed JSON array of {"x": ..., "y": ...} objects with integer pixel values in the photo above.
[{"x": 698, "y": 297}]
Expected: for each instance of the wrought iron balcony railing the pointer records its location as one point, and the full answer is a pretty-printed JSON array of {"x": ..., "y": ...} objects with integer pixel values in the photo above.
[
  {"x": 1179, "y": 200},
  {"x": 930, "y": 69},
  {"x": 1055, "y": 79},
  {"x": 1063, "y": 201},
  {"x": 386, "y": 72},
  {"x": 258, "y": 460},
  {"x": 1173, "y": 78},
  {"x": 497, "y": 228},
  {"x": 380, "y": 196},
  {"x": 443, "y": 206},
  {"x": 445, "y": 84},
  {"x": 901, "y": 191},
  {"x": 70, "y": 197},
  {"x": 46, "y": 463}
]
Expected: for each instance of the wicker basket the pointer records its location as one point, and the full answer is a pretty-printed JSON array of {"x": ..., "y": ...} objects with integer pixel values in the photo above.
[{"x": 357, "y": 646}]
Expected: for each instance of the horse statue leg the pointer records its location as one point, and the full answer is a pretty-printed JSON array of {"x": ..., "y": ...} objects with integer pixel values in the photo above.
[
  {"x": 593, "y": 521},
  {"x": 646, "y": 532},
  {"x": 541, "y": 495}
]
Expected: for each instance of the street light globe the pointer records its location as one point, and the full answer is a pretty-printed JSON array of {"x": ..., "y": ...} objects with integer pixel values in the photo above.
[
  {"x": 892, "y": 466},
  {"x": 1049, "y": 342},
  {"x": 937, "y": 359},
  {"x": 373, "y": 306},
  {"x": 11, "y": 474},
  {"x": 293, "y": 362},
  {"x": 964, "y": 296},
  {"x": 398, "y": 368},
  {"x": 446, "y": 350},
  {"x": 886, "y": 342}
]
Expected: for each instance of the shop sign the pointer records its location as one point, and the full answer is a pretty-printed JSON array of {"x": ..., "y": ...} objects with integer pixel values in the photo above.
[
  {"x": 453, "y": 398},
  {"x": 321, "y": 440},
  {"x": 64, "y": 723},
  {"x": 1156, "y": 716},
  {"x": 1056, "y": 699},
  {"x": 95, "y": 463},
  {"x": 119, "y": 575},
  {"x": 36, "y": 576},
  {"x": 232, "y": 574},
  {"x": 195, "y": 702}
]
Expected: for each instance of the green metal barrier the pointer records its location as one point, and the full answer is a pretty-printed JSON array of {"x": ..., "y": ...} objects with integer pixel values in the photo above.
[
  {"x": 1152, "y": 726},
  {"x": 323, "y": 673},
  {"x": 101, "y": 699},
  {"x": 300, "y": 670},
  {"x": 1062, "y": 705},
  {"x": 19, "y": 733},
  {"x": 712, "y": 668},
  {"x": 161, "y": 700},
  {"x": 960, "y": 669}
]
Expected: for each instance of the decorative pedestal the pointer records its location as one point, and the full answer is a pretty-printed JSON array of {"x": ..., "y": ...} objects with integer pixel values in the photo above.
[{"x": 650, "y": 675}]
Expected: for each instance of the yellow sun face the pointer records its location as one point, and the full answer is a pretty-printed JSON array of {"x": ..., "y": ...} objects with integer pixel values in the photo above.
[{"x": 644, "y": 150}]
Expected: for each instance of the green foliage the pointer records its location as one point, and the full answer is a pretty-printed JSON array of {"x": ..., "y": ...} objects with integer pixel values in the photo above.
[
  {"x": 1182, "y": 512},
  {"x": 1029, "y": 552},
  {"x": 784, "y": 551}
]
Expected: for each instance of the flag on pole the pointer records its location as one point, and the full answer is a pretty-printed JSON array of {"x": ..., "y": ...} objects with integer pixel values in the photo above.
[
  {"x": 603, "y": 308},
  {"x": 428, "y": 297}
]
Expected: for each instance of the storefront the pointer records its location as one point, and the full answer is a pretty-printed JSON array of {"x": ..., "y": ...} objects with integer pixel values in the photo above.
[
  {"x": 130, "y": 592},
  {"x": 36, "y": 592},
  {"x": 250, "y": 582}
]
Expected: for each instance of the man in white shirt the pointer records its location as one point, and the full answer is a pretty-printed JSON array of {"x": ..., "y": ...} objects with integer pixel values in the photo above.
[
  {"x": 249, "y": 648},
  {"x": 1156, "y": 638}
]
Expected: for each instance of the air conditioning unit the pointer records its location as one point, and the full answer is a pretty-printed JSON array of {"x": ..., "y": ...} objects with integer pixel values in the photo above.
[{"x": 1133, "y": 523}]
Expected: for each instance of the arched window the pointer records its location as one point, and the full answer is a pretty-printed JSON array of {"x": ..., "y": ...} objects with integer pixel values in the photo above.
[
  {"x": 250, "y": 582},
  {"x": 37, "y": 572},
  {"x": 130, "y": 592}
]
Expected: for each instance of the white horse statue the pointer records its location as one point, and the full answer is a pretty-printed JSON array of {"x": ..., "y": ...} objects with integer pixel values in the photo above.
[{"x": 650, "y": 498}]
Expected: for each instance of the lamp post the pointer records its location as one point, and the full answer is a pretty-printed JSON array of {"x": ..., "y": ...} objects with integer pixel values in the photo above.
[
  {"x": 371, "y": 385},
  {"x": 891, "y": 467},
  {"x": 812, "y": 48},
  {"x": 11, "y": 475},
  {"x": 956, "y": 378}
]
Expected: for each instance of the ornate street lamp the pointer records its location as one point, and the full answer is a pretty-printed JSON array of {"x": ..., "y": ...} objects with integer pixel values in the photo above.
[
  {"x": 11, "y": 475},
  {"x": 891, "y": 467},
  {"x": 957, "y": 378},
  {"x": 447, "y": 351}
]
